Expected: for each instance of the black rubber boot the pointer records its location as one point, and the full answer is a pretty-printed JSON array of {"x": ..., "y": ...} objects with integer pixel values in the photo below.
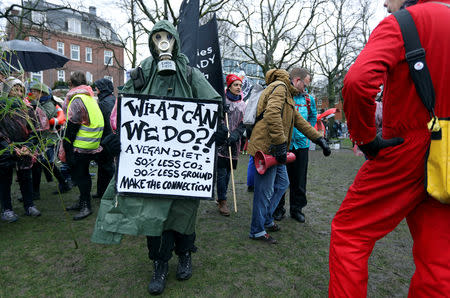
[
  {"x": 85, "y": 211},
  {"x": 184, "y": 268},
  {"x": 159, "y": 278},
  {"x": 75, "y": 206}
]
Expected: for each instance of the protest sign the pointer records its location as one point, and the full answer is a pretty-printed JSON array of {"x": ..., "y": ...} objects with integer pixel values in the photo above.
[{"x": 167, "y": 146}]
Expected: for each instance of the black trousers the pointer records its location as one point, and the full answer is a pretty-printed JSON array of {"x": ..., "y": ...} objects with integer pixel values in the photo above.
[
  {"x": 26, "y": 187},
  {"x": 47, "y": 165},
  {"x": 161, "y": 247},
  {"x": 81, "y": 176},
  {"x": 105, "y": 172},
  {"x": 297, "y": 172}
]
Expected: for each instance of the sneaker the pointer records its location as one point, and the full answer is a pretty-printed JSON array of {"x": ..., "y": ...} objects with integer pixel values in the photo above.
[
  {"x": 274, "y": 228},
  {"x": 9, "y": 216},
  {"x": 33, "y": 211},
  {"x": 265, "y": 238}
]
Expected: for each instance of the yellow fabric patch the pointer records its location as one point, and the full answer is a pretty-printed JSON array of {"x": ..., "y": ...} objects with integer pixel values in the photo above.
[{"x": 438, "y": 165}]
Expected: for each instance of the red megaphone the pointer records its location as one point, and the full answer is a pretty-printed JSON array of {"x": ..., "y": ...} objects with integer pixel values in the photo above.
[{"x": 265, "y": 161}]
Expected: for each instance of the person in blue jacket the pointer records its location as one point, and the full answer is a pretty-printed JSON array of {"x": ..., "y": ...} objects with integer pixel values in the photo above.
[{"x": 297, "y": 170}]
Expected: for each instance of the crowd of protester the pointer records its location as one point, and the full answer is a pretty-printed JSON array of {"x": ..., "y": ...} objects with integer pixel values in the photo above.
[{"x": 39, "y": 130}]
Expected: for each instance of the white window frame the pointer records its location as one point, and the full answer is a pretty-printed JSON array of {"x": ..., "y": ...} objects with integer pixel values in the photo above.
[
  {"x": 61, "y": 75},
  {"x": 60, "y": 47},
  {"x": 104, "y": 33},
  {"x": 88, "y": 54},
  {"x": 89, "y": 77},
  {"x": 74, "y": 49},
  {"x": 39, "y": 17},
  {"x": 74, "y": 25},
  {"x": 110, "y": 57},
  {"x": 109, "y": 78},
  {"x": 34, "y": 39},
  {"x": 39, "y": 76}
]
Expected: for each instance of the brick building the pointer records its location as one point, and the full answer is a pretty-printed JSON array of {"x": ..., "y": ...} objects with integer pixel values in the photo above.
[
  {"x": 322, "y": 103},
  {"x": 88, "y": 41}
]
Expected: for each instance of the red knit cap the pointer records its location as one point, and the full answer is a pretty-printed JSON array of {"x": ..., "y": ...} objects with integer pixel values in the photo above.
[{"x": 231, "y": 78}]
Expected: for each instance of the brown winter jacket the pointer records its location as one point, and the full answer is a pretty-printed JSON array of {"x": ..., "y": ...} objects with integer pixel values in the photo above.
[{"x": 280, "y": 115}]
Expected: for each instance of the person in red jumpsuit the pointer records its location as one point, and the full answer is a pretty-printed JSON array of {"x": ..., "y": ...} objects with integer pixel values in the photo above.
[{"x": 390, "y": 185}]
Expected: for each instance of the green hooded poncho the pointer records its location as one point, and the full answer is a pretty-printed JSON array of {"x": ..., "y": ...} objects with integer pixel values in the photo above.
[{"x": 151, "y": 216}]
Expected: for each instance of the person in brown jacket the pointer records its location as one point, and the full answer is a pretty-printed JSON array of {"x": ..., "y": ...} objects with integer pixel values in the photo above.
[{"x": 272, "y": 135}]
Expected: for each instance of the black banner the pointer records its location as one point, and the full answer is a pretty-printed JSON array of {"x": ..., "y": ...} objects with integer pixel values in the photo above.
[
  {"x": 187, "y": 29},
  {"x": 208, "y": 55}
]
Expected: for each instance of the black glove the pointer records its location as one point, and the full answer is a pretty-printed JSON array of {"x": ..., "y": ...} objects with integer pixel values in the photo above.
[
  {"x": 220, "y": 136},
  {"x": 371, "y": 149},
  {"x": 111, "y": 144},
  {"x": 323, "y": 144},
  {"x": 226, "y": 108},
  {"x": 280, "y": 153},
  {"x": 234, "y": 137},
  {"x": 69, "y": 137}
]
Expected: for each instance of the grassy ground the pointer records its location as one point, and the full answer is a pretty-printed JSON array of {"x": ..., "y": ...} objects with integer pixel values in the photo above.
[{"x": 38, "y": 258}]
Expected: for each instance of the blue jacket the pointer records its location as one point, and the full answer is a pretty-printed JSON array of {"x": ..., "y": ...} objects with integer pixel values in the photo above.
[{"x": 298, "y": 139}]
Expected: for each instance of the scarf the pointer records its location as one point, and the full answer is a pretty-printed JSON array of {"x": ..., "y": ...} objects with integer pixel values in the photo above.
[{"x": 233, "y": 97}]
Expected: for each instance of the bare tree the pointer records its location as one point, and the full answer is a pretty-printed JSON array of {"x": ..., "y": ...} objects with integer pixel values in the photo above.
[
  {"x": 342, "y": 35},
  {"x": 155, "y": 12},
  {"x": 278, "y": 33}
]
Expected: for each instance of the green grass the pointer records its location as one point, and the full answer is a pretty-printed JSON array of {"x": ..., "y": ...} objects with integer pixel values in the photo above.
[{"x": 38, "y": 256}]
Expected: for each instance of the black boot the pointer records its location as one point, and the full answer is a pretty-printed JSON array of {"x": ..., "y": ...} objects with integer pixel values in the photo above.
[
  {"x": 159, "y": 278},
  {"x": 74, "y": 206},
  {"x": 278, "y": 214},
  {"x": 85, "y": 211},
  {"x": 184, "y": 268},
  {"x": 298, "y": 215},
  {"x": 65, "y": 186}
]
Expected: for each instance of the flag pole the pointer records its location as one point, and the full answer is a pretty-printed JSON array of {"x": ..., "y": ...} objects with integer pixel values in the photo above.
[{"x": 231, "y": 165}]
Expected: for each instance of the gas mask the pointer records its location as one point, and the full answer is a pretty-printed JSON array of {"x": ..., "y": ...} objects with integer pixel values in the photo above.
[{"x": 164, "y": 42}]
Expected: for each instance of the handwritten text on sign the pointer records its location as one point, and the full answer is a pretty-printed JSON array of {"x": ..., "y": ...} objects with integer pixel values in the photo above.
[{"x": 167, "y": 147}]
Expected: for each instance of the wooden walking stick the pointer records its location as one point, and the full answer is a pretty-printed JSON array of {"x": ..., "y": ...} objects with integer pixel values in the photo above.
[{"x": 231, "y": 165}]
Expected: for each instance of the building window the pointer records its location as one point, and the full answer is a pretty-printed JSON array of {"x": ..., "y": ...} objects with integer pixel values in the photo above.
[
  {"x": 89, "y": 77},
  {"x": 60, "y": 47},
  {"x": 61, "y": 75},
  {"x": 74, "y": 26},
  {"x": 104, "y": 33},
  {"x": 319, "y": 102},
  {"x": 109, "y": 78},
  {"x": 37, "y": 76},
  {"x": 89, "y": 55},
  {"x": 34, "y": 39},
  {"x": 108, "y": 57},
  {"x": 38, "y": 17},
  {"x": 75, "y": 52}
]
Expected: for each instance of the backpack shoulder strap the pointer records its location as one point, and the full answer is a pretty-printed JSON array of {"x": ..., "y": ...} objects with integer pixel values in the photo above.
[
  {"x": 415, "y": 56},
  {"x": 308, "y": 104},
  {"x": 261, "y": 116}
]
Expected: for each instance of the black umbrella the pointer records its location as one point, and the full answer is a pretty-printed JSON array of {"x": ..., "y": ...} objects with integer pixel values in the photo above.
[{"x": 32, "y": 56}]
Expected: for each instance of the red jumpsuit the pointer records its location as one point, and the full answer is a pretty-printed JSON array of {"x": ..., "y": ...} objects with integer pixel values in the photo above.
[{"x": 390, "y": 187}]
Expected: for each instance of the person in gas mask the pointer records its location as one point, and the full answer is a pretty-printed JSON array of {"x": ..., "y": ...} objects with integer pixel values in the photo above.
[{"x": 168, "y": 223}]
